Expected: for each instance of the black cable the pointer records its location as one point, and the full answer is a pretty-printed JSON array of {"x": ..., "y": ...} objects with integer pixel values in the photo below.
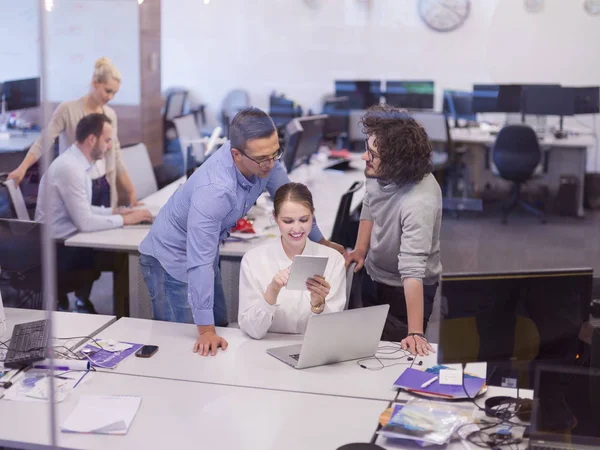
[{"x": 387, "y": 350}]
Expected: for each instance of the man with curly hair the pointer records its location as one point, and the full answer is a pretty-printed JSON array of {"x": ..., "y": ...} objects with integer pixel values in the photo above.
[{"x": 399, "y": 234}]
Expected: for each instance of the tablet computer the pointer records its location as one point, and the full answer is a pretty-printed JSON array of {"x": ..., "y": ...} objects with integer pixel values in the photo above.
[{"x": 303, "y": 268}]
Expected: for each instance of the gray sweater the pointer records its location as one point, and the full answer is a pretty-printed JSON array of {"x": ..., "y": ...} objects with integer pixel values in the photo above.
[{"x": 405, "y": 241}]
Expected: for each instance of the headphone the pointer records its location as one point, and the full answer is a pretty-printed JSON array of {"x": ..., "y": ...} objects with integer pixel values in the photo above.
[{"x": 522, "y": 408}]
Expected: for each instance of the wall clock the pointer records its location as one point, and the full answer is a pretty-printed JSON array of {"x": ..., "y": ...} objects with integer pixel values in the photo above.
[
  {"x": 592, "y": 7},
  {"x": 444, "y": 15},
  {"x": 534, "y": 5}
]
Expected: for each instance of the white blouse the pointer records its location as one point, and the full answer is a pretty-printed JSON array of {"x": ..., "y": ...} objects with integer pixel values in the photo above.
[{"x": 291, "y": 312}]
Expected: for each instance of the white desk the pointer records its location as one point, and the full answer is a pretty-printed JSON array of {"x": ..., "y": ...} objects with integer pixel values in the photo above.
[
  {"x": 181, "y": 415},
  {"x": 244, "y": 363},
  {"x": 64, "y": 324},
  {"x": 566, "y": 156},
  {"x": 18, "y": 141}
]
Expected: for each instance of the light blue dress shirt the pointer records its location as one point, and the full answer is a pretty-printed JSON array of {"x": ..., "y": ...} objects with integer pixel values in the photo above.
[
  {"x": 65, "y": 198},
  {"x": 186, "y": 234}
]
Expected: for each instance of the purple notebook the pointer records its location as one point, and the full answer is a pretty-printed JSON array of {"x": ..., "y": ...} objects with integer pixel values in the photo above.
[{"x": 413, "y": 379}]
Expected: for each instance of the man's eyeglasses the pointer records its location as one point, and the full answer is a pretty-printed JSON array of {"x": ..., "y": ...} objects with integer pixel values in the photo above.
[
  {"x": 265, "y": 162},
  {"x": 371, "y": 153}
]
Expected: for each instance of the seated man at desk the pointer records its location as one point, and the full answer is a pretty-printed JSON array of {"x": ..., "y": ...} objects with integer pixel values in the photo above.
[
  {"x": 265, "y": 303},
  {"x": 400, "y": 226},
  {"x": 65, "y": 198},
  {"x": 180, "y": 256}
]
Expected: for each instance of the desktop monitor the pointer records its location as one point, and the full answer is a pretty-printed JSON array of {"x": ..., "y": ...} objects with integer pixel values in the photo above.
[
  {"x": 485, "y": 98},
  {"x": 587, "y": 100},
  {"x": 302, "y": 139},
  {"x": 549, "y": 101},
  {"x": 458, "y": 105},
  {"x": 361, "y": 94},
  {"x": 338, "y": 111},
  {"x": 21, "y": 94},
  {"x": 410, "y": 94},
  {"x": 514, "y": 320},
  {"x": 282, "y": 110},
  {"x": 509, "y": 98}
]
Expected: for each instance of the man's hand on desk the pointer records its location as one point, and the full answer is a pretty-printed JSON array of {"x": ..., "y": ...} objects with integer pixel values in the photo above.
[
  {"x": 209, "y": 341},
  {"x": 333, "y": 245},
  {"x": 135, "y": 216}
]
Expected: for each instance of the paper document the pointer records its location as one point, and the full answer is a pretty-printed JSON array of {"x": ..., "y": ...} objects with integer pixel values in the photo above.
[{"x": 102, "y": 414}]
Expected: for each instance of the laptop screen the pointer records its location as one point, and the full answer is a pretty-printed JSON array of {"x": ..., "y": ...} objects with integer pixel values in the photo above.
[{"x": 567, "y": 405}]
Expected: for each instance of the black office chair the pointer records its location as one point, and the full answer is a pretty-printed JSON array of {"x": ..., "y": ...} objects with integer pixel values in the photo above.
[
  {"x": 175, "y": 102},
  {"x": 345, "y": 230},
  {"x": 516, "y": 154}
]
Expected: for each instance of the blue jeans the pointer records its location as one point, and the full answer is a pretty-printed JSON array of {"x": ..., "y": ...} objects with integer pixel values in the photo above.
[{"x": 170, "y": 296}]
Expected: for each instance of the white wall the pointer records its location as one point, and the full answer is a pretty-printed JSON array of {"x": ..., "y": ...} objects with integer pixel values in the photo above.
[
  {"x": 262, "y": 45},
  {"x": 78, "y": 32}
]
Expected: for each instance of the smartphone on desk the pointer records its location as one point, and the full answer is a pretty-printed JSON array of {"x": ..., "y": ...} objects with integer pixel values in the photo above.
[{"x": 146, "y": 351}]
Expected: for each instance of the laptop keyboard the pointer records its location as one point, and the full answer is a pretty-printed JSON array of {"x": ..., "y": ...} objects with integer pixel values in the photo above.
[{"x": 296, "y": 357}]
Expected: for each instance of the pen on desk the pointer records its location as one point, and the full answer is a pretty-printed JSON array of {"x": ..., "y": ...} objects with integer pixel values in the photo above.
[
  {"x": 50, "y": 367},
  {"x": 427, "y": 383},
  {"x": 82, "y": 377}
]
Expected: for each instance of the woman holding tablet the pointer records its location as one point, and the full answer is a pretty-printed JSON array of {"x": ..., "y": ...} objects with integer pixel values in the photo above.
[
  {"x": 106, "y": 172},
  {"x": 265, "y": 302}
]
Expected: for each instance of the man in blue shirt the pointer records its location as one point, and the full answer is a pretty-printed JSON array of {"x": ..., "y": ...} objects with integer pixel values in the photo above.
[{"x": 180, "y": 256}]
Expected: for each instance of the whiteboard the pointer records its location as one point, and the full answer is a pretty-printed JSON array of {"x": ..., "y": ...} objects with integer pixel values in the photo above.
[
  {"x": 78, "y": 33},
  {"x": 19, "y": 35},
  {"x": 81, "y": 31}
]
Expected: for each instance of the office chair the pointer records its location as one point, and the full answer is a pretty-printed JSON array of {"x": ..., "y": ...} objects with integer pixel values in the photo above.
[
  {"x": 344, "y": 230},
  {"x": 233, "y": 103},
  {"x": 447, "y": 160},
  {"x": 175, "y": 103},
  {"x": 516, "y": 154},
  {"x": 349, "y": 279},
  {"x": 282, "y": 110},
  {"x": 138, "y": 164},
  {"x": 336, "y": 125}
]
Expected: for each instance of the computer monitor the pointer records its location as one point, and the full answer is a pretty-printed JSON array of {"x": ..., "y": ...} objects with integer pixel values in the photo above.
[
  {"x": 337, "y": 110},
  {"x": 549, "y": 101},
  {"x": 21, "y": 94},
  {"x": 410, "y": 94},
  {"x": 303, "y": 137},
  {"x": 282, "y": 110},
  {"x": 509, "y": 98},
  {"x": 459, "y": 105},
  {"x": 485, "y": 98},
  {"x": 587, "y": 100},
  {"x": 513, "y": 320},
  {"x": 361, "y": 93}
]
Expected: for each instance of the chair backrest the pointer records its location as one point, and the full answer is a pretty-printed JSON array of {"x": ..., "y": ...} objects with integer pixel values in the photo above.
[
  {"x": 175, "y": 103},
  {"x": 20, "y": 245},
  {"x": 349, "y": 278},
  {"x": 435, "y": 125},
  {"x": 187, "y": 133},
  {"x": 138, "y": 164},
  {"x": 343, "y": 214},
  {"x": 516, "y": 152},
  {"x": 233, "y": 103},
  {"x": 17, "y": 199}
]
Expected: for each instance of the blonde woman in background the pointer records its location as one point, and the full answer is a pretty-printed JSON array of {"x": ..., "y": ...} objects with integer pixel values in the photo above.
[{"x": 106, "y": 172}]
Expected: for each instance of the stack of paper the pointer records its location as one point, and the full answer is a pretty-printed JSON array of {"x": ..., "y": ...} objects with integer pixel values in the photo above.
[{"x": 102, "y": 414}]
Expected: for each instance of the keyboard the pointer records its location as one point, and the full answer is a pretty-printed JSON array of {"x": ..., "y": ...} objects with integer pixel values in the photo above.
[
  {"x": 28, "y": 344},
  {"x": 296, "y": 357}
]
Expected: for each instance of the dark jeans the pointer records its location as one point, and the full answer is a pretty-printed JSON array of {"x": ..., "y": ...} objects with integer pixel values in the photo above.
[
  {"x": 396, "y": 325},
  {"x": 170, "y": 296},
  {"x": 78, "y": 268}
]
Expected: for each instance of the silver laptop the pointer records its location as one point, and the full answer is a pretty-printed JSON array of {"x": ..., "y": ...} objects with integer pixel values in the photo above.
[
  {"x": 566, "y": 408},
  {"x": 336, "y": 337}
]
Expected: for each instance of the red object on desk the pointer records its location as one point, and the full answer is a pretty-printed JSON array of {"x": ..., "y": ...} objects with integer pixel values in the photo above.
[
  {"x": 243, "y": 226},
  {"x": 343, "y": 153}
]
